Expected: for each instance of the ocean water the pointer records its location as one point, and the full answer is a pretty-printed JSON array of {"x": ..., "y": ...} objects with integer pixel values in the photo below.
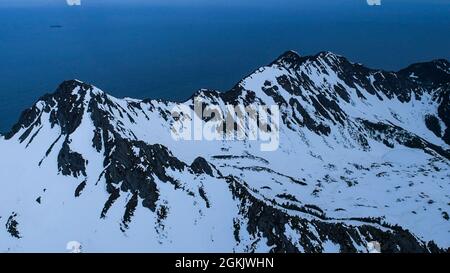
[{"x": 172, "y": 51}]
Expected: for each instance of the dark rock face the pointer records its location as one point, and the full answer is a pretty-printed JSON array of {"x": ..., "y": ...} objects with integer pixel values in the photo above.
[
  {"x": 433, "y": 125},
  {"x": 200, "y": 165},
  {"x": 27, "y": 118},
  {"x": 122, "y": 165},
  {"x": 80, "y": 188},
  {"x": 12, "y": 226},
  {"x": 444, "y": 112},
  {"x": 114, "y": 194},
  {"x": 129, "y": 211},
  {"x": 71, "y": 163}
]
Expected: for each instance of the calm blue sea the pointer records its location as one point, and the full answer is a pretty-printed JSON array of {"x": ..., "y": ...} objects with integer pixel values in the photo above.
[{"x": 170, "y": 52}]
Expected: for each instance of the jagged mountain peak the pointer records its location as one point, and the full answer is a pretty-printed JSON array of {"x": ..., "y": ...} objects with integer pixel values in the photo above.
[
  {"x": 65, "y": 107},
  {"x": 69, "y": 86},
  {"x": 434, "y": 72},
  {"x": 290, "y": 59},
  {"x": 74, "y": 88},
  {"x": 293, "y": 60},
  {"x": 328, "y": 55}
]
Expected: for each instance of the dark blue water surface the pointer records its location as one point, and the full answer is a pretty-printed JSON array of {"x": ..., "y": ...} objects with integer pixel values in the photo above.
[{"x": 145, "y": 51}]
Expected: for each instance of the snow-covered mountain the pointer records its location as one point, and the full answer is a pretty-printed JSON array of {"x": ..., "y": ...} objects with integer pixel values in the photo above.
[{"x": 363, "y": 156}]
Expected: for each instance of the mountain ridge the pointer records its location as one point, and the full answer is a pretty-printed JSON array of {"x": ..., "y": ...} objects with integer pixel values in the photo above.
[
  {"x": 291, "y": 54},
  {"x": 363, "y": 155}
]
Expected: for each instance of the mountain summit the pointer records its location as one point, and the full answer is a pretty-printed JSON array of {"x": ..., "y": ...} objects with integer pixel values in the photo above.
[{"x": 363, "y": 156}]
